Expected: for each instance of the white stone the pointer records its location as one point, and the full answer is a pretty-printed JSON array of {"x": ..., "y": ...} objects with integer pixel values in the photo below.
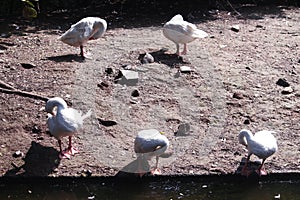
[{"x": 185, "y": 69}]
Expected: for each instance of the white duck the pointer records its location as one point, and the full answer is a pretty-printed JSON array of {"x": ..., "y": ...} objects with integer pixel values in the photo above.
[
  {"x": 63, "y": 121},
  {"x": 262, "y": 144},
  {"x": 149, "y": 143},
  {"x": 182, "y": 32},
  {"x": 89, "y": 28}
]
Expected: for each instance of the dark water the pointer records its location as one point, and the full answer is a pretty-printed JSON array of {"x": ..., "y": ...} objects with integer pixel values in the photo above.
[{"x": 157, "y": 188}]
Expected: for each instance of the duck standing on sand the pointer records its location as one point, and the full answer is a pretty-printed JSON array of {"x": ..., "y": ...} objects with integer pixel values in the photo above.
[
  {"x": 64, "y": 121},
  {"x": 182, "y": 32},
  {"x": 262, "y": 144},
  {"x": 89, "y": 28},
  {"x": 147, "y": 144}
]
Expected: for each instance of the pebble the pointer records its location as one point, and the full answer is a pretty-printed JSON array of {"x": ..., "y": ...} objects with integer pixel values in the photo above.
[
  {"x": 28, "y": 65},
  {"x": 247, "y": 121},
  {"x": 148, "y": 58},
  {"x": 18, "y": 154},
  {"x": 109, "y": 70},
  {"x": 36, "y": 129},
  {"x": 86, "y": 173},
  {"x": 185, "y": 69},
  {"x": 135, "y": 93},
  {"x": 237, "y": 95},
  {"x": 287, "y": 90},
  {"x": 103, "y": 85},
  {"x": 282, "y": 82},
  {"x": 183, "y": 129},
  {"x": 235, "y": 28}
]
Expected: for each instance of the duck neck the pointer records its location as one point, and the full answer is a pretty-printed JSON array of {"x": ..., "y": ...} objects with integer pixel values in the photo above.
[{"x": 245, "y": 136}]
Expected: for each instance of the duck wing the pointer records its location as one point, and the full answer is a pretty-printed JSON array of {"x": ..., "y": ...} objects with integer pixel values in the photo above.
[
  {"x": 78, "y": 34},
  {"x": 265, "y": 144}
]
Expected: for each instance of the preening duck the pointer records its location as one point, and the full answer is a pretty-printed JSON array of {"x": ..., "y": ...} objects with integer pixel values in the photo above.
[
  {"x": 64, "y": 121},
  {"x": 262, "y": 144},
  {"x": 182, "y": 32},
  {"x": 89, "y": 28},
  {"x": 149, "y": 143}
]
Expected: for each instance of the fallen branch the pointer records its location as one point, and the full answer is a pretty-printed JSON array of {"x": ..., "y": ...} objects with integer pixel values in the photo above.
[
  {"x": 5, "y": 85},
  {"x": 24, "y": 94},
  {"x": 8, "y": 89}
]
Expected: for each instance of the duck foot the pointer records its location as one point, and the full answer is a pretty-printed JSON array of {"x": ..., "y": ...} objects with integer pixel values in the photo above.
[
  {"x": 156, "y": 171},
  {"x": 64, "y": 155},
  {"x": 261, "y": 172},
  {"x": 72, "y": 151}
]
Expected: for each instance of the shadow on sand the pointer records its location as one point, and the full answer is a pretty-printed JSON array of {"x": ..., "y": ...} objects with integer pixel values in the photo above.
[
  {"x": 39, "y": 161},
  {"x": 66, "y": 58},
  {"x": 171, "y": 60}
]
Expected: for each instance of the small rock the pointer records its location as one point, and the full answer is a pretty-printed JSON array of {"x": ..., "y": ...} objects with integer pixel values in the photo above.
[
  {"x": 237, "y": 95},
  {"x": 18, "y": 154},
  {"x": 129, "y": 77},
  {"x": 86, "y": 173},
  {"x": 1, "y": 51},
  {"x": 282, "y": 82},
  {"x": 222, "y": 46},
  {"x": 36, "y": 129},
  {"x": 133, "y": 101},
  {"x": 128, "y": 66},
  {"x": 185, "y": 69},
  {"x": 183, "y": 129},
  {"x": 135, "y": 93},
  {"x": 148, "y": 58},
  {"x": 109, "y": 70},
  {"x": 107, "y": 123},
  {"x": 103, "y": 85},
  {"x": 40, "y": 138},
  {"x": 259, "y": 26},
  {"x": 287, "y": 90},
  {"x": 247, "y": 121},
  {"x": 235, "y": 28},
  {"x": 28, "y": 65}
]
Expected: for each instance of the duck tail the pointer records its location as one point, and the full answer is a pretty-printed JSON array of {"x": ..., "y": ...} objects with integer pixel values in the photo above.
[{"x": 200, "y": 34}]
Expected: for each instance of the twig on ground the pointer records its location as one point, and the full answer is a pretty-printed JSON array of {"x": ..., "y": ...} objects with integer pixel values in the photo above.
[{"x": 8, "y": 89}]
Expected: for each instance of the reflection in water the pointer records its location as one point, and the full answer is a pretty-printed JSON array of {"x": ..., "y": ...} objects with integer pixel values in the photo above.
[{"x": 154, "y": 188}]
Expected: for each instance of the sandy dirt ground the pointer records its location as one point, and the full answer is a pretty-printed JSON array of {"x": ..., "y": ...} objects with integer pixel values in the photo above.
[{"x": 232, "y": 85}]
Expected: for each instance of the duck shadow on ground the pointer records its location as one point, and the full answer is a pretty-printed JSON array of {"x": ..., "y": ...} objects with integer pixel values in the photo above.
[
  {"x": 252, "y": 167},
  {"x": 66, "y": 58},
  {"x": 131, "y": 170},
  {"x": 39, "y": 161},
  {"x": 160, "y": 56}
]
